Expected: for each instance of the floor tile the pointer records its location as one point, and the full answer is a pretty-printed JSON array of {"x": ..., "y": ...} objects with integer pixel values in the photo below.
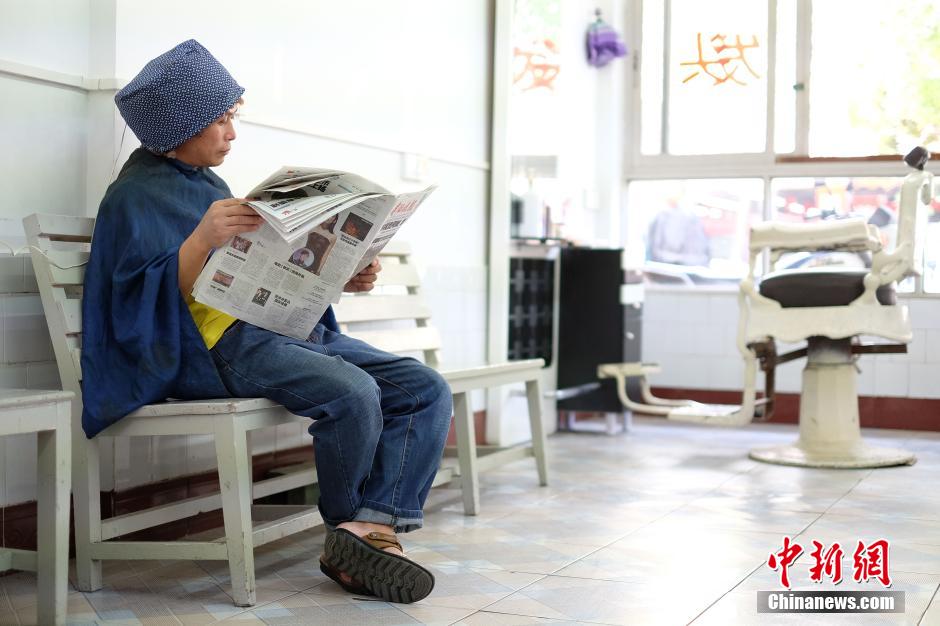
[{"x": 607, "y": 602}]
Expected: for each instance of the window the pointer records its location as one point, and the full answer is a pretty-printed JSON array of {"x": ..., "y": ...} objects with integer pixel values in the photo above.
[
  {"x": 693, "y": 231},
  {"x": 761, "y": 89},
  {"x": 873, "y": 83}
]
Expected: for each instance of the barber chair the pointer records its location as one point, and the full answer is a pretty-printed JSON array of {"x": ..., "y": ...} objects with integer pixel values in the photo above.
[{"x": 829, "y": 308}]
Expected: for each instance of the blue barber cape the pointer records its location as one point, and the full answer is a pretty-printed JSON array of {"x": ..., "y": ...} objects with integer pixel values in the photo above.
[{"x": 139, "y": 342}]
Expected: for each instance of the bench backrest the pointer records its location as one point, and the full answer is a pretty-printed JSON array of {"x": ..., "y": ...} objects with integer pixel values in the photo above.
[
  {"x": 393, "y": 318},
  {"x": 59, "y": 247}
]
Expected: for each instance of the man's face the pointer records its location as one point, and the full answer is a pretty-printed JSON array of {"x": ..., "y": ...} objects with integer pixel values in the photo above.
[{"x": 211, "y": 145}]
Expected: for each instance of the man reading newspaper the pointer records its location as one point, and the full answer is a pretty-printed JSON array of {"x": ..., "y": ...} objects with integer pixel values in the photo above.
[{"x": 378, "y": 420}]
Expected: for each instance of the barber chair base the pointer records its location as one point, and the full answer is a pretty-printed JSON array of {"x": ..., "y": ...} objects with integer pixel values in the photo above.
[
  {"x": 830, "y": 432},
  {"x": 857, "y": 457}
]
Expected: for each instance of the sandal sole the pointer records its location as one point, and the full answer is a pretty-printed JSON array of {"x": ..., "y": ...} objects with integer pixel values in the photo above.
[
  {"x": 388, "y": 576},
  {"x": 333, "y": 574}
]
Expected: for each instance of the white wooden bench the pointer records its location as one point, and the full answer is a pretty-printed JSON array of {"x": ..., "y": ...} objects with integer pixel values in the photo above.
[
  {"x": 47, "y": 414},
  {"x": 398, "y": 301},
  {"x": 59, "y": 250}
]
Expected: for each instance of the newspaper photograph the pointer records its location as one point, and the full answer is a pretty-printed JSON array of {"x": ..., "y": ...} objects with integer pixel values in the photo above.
[{"x": 285, "y": 283}]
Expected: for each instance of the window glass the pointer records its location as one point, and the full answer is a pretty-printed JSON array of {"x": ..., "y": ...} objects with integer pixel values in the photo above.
[
  {"x": 874, "y": 82},
  {"x": 874, "y": 199},
  {"x": 717, "y": 101},
  {"x": 932, "y": 249},
  {"x": 692, "y": 231}
]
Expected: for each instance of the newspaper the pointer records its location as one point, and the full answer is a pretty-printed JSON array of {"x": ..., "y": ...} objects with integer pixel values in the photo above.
[{"x": 321, "y": 228}]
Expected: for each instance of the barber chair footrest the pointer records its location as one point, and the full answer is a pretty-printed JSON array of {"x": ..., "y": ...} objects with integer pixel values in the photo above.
[{"x": 711, "y": 414}]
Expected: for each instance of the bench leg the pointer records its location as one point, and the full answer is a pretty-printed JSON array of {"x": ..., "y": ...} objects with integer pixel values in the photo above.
[
  {"x": 466, "y": 453},
  {"x": 53, "y": 522},
  {"x": 231, "y": 447},
  {"x": 534, "y": 398},
  {"x": 86, "y": 488}
]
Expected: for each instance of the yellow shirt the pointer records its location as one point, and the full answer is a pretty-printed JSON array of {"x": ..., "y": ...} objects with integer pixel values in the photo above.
[{"x": 210, "y": 322}]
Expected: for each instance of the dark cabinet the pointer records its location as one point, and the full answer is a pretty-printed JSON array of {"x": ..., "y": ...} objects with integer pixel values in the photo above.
[{"x": 594, "y": 327}]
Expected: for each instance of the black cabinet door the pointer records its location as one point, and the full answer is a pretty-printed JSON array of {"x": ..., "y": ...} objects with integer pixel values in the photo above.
[{"x": 590, "y": 325}]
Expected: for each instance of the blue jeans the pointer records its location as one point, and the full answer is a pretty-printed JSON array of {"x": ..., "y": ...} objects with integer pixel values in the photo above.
[{"x": 379, "y": 420}]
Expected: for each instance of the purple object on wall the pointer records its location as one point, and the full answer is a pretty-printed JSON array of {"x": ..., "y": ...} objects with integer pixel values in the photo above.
[{"x": 603, "y": 43}]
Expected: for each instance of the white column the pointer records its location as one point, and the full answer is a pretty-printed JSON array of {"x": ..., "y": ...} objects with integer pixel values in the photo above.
[{"x": 103, "y": 123}]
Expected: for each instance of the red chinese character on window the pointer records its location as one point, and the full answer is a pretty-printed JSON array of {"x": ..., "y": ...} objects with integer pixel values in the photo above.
[
  {"x": 784, "y": 559},
  {"x": 725, "y": 60},
  {"x": 872, "y": 562},
  {"x": 829, "y": 563}
]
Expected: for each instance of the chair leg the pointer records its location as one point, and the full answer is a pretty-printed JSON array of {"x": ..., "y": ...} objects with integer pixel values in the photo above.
[
  {"x": 231, "y": 448},
  {"x": 538, "y": 430},
  {"x": 53, "y": 492},
  {"x": 86, "y": 490},
  {"x": 466, "y": 453}
]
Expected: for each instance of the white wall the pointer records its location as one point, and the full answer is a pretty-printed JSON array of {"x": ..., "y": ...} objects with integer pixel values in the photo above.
[
  {"x": 365, "y": 80},
  {"x": 42, "y": 168},
  {"x": 692, "y": 335}
]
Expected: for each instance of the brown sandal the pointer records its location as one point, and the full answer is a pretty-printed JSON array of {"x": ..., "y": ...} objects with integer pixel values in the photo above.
[{"x": 384, "y": 574}]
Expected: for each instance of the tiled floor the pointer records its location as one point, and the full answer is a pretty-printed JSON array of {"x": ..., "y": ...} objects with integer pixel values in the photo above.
[{"x": 668, "y": 524}]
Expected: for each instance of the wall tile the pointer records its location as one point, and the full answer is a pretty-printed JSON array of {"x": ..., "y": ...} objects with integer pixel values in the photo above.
[
  {"x": 924, "y": 380},
  {"x": 12, "y": 376},
  {"x": 200, "y": 454},
  {"x": 865, "y": 385},
  {"x": 3, "y": 479},
  {"x": 890, "y": 379},
  {"x": 42, "y": 375},
  {"x": 722, "y": 308},
  {"x": 12, "y": 274},
  {"x": 790, "y": 376},
  {"x": 726, "y": 373},
  {"x": 133, "y": 461},
  {"x": 263, "y": 440},
  {"x": 925, "y": 312},
  {"x": 29, "y": 278},
  {"x": 20, "y": 468},
  {"x": 106, "y": 455},
  {"x": 169, "y": 456},
  {"x": 932, "y": 348},
  {"x": 709, "y": 339},
  {"x": 25, "y": 335},
  {"x": 292, "y": 436}
]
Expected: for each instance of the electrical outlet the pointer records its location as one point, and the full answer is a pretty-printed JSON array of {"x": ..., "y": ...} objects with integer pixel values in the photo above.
[{"x": 414, "y": 166}]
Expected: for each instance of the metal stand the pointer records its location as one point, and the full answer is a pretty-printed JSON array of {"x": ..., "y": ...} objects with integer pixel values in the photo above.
[
  {"x": 613, "y": 423},
  {"x": 830, "y": 433}
]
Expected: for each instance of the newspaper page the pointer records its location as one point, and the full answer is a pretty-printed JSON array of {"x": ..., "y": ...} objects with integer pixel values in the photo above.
[
  {"x": 295, "y": 198},
  {"x": 285, "y": 286},
  {"x": 404, "y": 208}
]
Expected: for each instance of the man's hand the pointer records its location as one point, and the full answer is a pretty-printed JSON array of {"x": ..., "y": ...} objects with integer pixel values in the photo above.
[
  {"x": 223, "y": 220},
  {"x": 364, "y": 280}
]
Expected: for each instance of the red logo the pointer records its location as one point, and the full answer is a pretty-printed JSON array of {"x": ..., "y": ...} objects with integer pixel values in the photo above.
[
  {"x": 868, "y": 562},
  {"x": 828, "y": 564},
  {"x": 784, "y": 559},
  {"x": 871, "y": 561}
]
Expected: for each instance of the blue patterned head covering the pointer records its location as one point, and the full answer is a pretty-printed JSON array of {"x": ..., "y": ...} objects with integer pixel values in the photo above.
[{"x": 176, "y": 95}]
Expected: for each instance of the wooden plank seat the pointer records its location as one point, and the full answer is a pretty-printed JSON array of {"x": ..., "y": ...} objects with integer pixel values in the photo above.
[{"x": 60, "y": 247}]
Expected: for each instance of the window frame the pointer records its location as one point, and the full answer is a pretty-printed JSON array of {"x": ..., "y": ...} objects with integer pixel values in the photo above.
[{"x": 766, "y": 165}]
